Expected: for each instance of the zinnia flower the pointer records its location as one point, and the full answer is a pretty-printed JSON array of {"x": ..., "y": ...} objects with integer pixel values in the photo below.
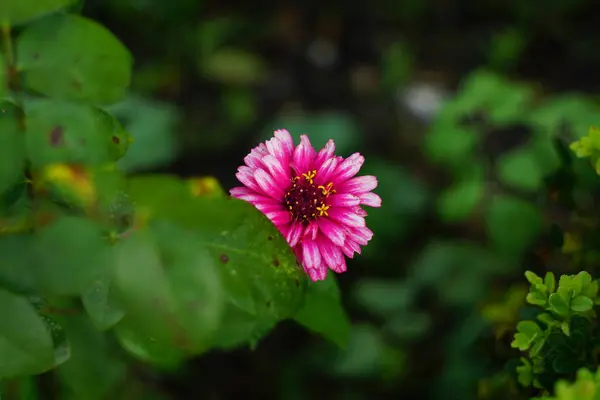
[{"x": 312, "y": 198}]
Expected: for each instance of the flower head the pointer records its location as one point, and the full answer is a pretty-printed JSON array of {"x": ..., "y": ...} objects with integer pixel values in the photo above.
[{"x": 313, "y": 198}]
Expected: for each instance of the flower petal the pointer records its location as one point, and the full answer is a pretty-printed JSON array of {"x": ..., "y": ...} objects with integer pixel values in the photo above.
[
  {"x": 268, "y": 185},
  {"x": 351, "y": 247},
  {"x": 325, "y": 154},
  {"x": 332, "y": 254},
  {"x": 318, "y": 274},
  {"x": 345, "y": 217},
  {"x": 279, "y": 217},
  {"x": 276, "y": 169},
  {"x": 361, "y": 235},
  {"x": 343, "y": 200},
  {"x": 312, "y": 230},
  {"x": 303, "y": 155},
  {"x": 246, "y": 176},
  {"x": 348, "y": 168},
  {"x": 332, "y": 231},
  {"x": 286, "y": 141},
  {"x": 370, "y": 199},
  {"x": 359, "y": 184},
  {"x": 311, "y": 255},
  {"x": 325, "y": 171},
  {"x": 294, "y": 234},
  {"x": 256, "y": 154}
]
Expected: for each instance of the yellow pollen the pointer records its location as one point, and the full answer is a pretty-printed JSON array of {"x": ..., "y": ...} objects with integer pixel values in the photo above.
[
  {"x": 323, "y": 210},
  {"x": 310, "y": 175},
  {"x": 327, "y": 190}
]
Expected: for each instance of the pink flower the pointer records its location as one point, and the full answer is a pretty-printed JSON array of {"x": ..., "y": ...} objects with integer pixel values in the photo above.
[{"x": 312, "y": 198}]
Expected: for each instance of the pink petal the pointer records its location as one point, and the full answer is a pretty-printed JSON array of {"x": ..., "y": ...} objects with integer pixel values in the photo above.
[
  {"x": 286, "y": 141},
  {"x": 351, "y": 247},
  {"x": 276, "y": 169},
  {"x": 311, "y": 230},
  {"x": 332, "y": 255},
  {"x": 341, "y": 267},
  {"x": 343, "y": 200},
  {"x": 311, "y": 255},
  {"x": 361, "y": 235},
  {"x": 279, "y": 217},
  {"x": 294, "y": 234},
  {"x": 359, "y": 184},
  {"x": 268, "y": 184},
  {"x": 360, "y": 212},
  {"x": 348, "y": 168},
  {"x": 370, "y": 199},
  {"x": 325, "y": 154},
  {"x": 318, "y": 274},
  {"x": 267, "y": 205},
  {"x": 246, "y": 176},
  {"x": 344, "y": 217},
  {"x": 332, "y": 231},
  {"x": 326, "y": 171},
  {"x": 303, "y": 155},
  {"x": 253, "y": 159}
]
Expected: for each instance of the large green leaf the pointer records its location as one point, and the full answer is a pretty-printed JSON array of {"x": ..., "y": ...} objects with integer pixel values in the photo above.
[
  {"x": 261, "y": 279},
  {"x": 26, "y": 345},
  {"x": 323, "y": 311},
  {"x": 14, "y": 12},
  {"x": 94, "y": 370},
  {"x": 102, "y": 304},
  {"x": 68, "y": 255},
  {"x": 12, "y": 146},
  {"x": 170, "y": 287},
  {"x": 62, "y": 132},
  {"x": 71, "y": 57}
]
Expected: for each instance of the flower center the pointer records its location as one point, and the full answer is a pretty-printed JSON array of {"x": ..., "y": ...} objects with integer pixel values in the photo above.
[{"x": 305, "y": 200}]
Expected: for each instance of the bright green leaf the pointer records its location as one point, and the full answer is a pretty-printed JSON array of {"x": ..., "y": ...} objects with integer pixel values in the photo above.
[
  {"x": 559, "y": 304},
  {"x": 581, "y": 304},
  {"x": 26, "y": 346},
  {"x": 527, "y": 332},
  {"x": 550, "y": 282},
  {"x": 323, "y": 311},
  {"x": 74, "y": 58},
  {"x": 533, "y": 278},
  {"x": 14, "y": 12},
  {"x": 537, "y": 298}
]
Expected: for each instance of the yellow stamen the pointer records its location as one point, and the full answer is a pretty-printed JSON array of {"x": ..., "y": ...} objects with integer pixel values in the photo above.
[
  {"x": 310, "y": 175},
  {"x": 323, "y": 210},
  {"x": 327, "y": 190}
]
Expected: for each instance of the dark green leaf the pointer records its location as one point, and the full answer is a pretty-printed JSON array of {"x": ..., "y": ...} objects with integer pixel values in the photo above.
[
  {"x": 101, "y": 303},
  {"x": 71, "y": 57},
  {"x": 512, "y": 225},
  {"x": 520, "y": 170},
  {"x": 12, "y": 146},
  {"x": 262, "y": 281},
  {"x": 458, "y": 202},
  {"x": 93, "y": 370},
  {"x": 323, "y": 311},
  {"x": 26, "y": 346},
  {"x": 14, "y": 12},
  {"x": 170, "y": 287},
  {"x": 61, "y": 132},
  {"x": 69, "y": 255}
]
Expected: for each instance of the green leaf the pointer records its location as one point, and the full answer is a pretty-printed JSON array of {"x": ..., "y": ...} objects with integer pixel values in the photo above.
[
  {"x": 12, "y": 146},
  {"x": 581, "y": 304},
  {"x": 170, "y": 287},
  {"x": 537, "y": 298},
  {"x": 62, "y": 132},
  {"x": 102, "y": 304},
  {"x": 93, "y": 371},
  {"x": 527, "y": 333},
  {"x": 4, "y": 89},
  {"x": 26, "y": 346},
  {"x": 520, "y": 170},
  {"x": 262, "y": 282},
  {"x": 323, "y": 311},
  {"x": 533, "y": 278},
  {"x": 451, "y": 146},
  {"x": 550, "y": 282},
  {"x": 152, "y": 126},
  {"x": 74, "y": 58},
  {"x": 512, "y": 225},
  {"x": 565, "y": 328},
  {"x": 14, "y": 12},
  {"x": 559, "y": 304},
  {"x": 458, "y": 202},
  {"x": 68, "y": 255},
  {"x": 384, "y": 297}
]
